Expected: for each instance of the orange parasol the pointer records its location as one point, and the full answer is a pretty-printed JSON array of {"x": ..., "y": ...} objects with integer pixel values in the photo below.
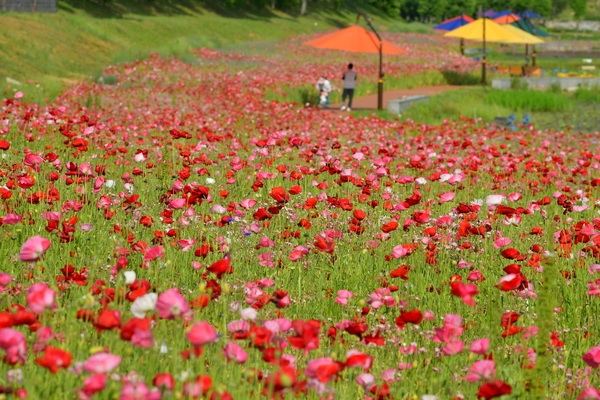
[
  {"x": 506, "y": 19},
  {"x": 355, "y": 39}
]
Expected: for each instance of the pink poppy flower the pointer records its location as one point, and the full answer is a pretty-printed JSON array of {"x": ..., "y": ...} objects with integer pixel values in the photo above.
[
  {"x": 454, "y": 346},
  {"x": 233, "y": 352},
  {"x": 446, "y": 197},
  {"x": 40, "y": 297},
  {"x": 266, "y": 259},
  {"x": 171, "y": 304},
  {"x": 530, "y": 332},
  {"x": 399, "y": 251},
  {"x": 14, "y": 344},
  {"x": 152, "y": 253},
  {"x": 501, "y": 242},
  {"x": 186, "y": 244},
  {"x": 480, "y": 346},
  {"x": 142, "y": 338},
  {"x": 594, "y": 268},
  {"x": 101, "y": 363},
  {"x": 367, "y": 381},
  {"x": 92, "y": 385},
  {"x": 514, "y": 196},
  {"x": 343, "y": 296},
  {"x": 138, "y": 391},
  {"x": 388, "y": 375},
  {"x": 590, "y": 393},
  {"x": 34, "y": 248},
  {"x": 592, "y": 357},
  {"x": 298, "y": 253},
  {"x": 51, "y": 216},
  {"x": 278, "y": 326},
  {"x": 247, "y": 203},
  {"x": 238, "y": 326},
  {"x": 5, "y": 279},
  {"x": 444, "y": 220},
  {"x": 42, "y": 336},
  {"x": 475, "y": 276},
  {"x": 202, "y": 333},
  {"x": 381, "y": 297},
  {"x": 481, "y": 370},
  {"x": 265, "y": 242},
  {"x": 11, "y": 219}
]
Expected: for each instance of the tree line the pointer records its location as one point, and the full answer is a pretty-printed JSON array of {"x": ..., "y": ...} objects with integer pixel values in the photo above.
[{"x": 429, "y": 10}]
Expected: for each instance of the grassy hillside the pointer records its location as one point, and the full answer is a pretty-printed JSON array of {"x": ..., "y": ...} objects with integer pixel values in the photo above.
[{"x": 45, "y": 51}]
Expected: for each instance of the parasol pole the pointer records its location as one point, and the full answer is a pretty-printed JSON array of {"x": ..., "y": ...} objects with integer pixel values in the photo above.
[
  {"x": 483, "y": 60},
  {"x": 380, "y": 79},
  {"x": 462, "y": 41}
]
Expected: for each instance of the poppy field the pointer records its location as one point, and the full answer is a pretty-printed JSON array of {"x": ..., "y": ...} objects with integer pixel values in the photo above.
[{"x": 176, "y": 235}]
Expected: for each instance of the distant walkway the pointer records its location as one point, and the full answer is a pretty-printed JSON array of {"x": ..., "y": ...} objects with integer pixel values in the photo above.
[{"x": 370, "y": 102}]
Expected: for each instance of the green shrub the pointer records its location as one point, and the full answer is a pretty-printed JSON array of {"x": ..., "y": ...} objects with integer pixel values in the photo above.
[
  {"x": 460, "y": 79},
  {"x": 587, "y": 95}
]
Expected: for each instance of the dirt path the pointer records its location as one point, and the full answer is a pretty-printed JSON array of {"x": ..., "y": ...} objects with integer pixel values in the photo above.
[{"x": 370, "y": 102}]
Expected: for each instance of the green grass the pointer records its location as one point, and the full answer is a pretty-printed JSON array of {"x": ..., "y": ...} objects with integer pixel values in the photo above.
[
  {"x": 528, "y": 100},
  {"x": 548, "y": 109}
]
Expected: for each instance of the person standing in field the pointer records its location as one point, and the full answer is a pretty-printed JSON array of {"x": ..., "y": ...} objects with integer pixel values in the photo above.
[
  {"x": 349, "y": 85},
  {"x": 324, "y": 87}
]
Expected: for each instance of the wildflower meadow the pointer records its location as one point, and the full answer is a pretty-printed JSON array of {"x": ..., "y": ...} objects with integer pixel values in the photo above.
[{"x": 171, "y": 233}]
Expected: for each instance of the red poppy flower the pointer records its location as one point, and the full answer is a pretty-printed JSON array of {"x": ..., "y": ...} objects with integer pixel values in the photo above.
[
  {"x": 295, "y": 190},
  {"x": 54, "y": 359},
  {"x": 324, "y": 244},
  {"x": 509, "y": 318},
  {"x": 6, "y": 319},
  {"x": 359, "y": 214},
  {"x": 412, "y": 317},
  {"x": 108, "y": 319},
  {"x": 512, "y": 269},
  {"x": 357, "y": 328},
  {"x": 555, "y": 341},
  {"x": 512, "y": 254},
  {"x": 221, "y": 267},
  {"x": 359, "y": 359},
  {"x": 510, "y": 282},
  {"x": 261, "y": 214},
  {"x": 375, "y": 339},
  {"x": 279, "y": 195},
  {"x": 389, "y": 227},
  {"x": 146, "y": 221},
  {"x": 259, "y": 336},
  {"x": 307, "y": 334},
  {"x": 134, "y": 324},
  {"x": 495, "y": 388},
  {"x": 401, "y": 272}
]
